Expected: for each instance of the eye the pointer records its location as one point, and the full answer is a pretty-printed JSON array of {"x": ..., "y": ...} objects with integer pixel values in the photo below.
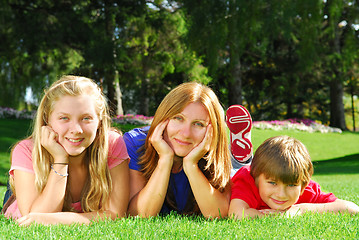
[
  {"x": 292, "y": 185},
  {"x": 64, "y": 118},
  {"x": 272, "y": 183},
  {"x": 199, "y": 124},
  {"x": 178, "y": 118},
  {"x": 87, "y": 118}
]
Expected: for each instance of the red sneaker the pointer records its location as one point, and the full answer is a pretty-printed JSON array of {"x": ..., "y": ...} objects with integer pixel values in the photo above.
[{"x": 239, "y": 122}]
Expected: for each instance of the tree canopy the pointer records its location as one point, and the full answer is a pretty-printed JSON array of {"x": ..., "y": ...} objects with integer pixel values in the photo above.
[{"x": 279, "y": 58}]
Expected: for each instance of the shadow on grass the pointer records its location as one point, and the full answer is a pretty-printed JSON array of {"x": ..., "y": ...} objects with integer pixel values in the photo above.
[{"x": 344, "y": 165}]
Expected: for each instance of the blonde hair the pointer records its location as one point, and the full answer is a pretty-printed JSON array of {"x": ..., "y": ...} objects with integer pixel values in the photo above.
[
  {"x": 218, "y": 165},
  {"x": 98, "y": 185},
  {"x": 283, "y": 158}
]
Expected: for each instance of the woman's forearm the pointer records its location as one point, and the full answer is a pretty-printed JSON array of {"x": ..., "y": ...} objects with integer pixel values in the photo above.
[
  {"x": 211, "y": 201},
  {"x": 149, "y": 200}
]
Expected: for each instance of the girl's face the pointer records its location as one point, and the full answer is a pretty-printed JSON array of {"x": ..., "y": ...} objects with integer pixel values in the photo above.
[
  {"x": 75, "y": 120},
  {"x": 187, "y": 129},
  {"x": 276, "y": 194}
]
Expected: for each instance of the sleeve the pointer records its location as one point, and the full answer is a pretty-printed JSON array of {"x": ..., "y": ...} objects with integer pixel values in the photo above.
[
  {"x": 313, "y": 194},
  {"x": 117, "y": 152},
  {"x": 244, "y": 188},
  {"x": 21, "y": 158},
  {"x": 134, "y": 140}
]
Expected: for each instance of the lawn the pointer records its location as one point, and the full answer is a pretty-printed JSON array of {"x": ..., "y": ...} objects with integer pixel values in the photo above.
[{"x": 336, "y": 161}]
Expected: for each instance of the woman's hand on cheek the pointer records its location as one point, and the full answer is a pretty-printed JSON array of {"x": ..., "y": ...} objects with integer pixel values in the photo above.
[
  {"x": 49, "y": 140},
  {"x": 201, "y": 149},
  {"x": 158, "y": 142}
]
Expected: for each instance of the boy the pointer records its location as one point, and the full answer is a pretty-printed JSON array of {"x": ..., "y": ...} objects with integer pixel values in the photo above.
[{"x": 279, "y": 182}]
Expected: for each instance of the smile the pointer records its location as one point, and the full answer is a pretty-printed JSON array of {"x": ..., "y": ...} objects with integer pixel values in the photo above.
[
  {"x": 75, "y": 140},
  {"x": 182, "y": 142},
  {"x": 278, "y": 202}
]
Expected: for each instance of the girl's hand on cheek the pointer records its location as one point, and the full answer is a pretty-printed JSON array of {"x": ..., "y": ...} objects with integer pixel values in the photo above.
[
  {"x": 49, "y": 140},
  {"x": 201, "y": 149},
  {"x": 27, "y": 220},
  {"x": 160, "y": 145}
]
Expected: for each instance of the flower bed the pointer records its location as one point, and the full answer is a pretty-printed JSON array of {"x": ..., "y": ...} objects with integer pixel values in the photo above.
[
  {"x": 10, "y": 113},
  {"x": 289, "y": 124},
  {"x": 132, "y": 119},
  {"x": 295, "y": 124}
]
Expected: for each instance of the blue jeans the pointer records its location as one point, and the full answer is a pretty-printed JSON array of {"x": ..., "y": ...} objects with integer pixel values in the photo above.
[{"x": 7, "y": 194}]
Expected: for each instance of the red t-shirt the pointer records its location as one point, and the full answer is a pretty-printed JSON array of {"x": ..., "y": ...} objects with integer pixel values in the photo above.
[{"x": 244, "y": 188}]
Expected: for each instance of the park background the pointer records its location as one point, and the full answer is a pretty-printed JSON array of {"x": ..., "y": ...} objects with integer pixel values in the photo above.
[{"x": 282, "y": 59}]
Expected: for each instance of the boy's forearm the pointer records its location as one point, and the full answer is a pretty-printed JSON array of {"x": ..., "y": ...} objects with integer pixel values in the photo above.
[{"x": 338, "y": 205}]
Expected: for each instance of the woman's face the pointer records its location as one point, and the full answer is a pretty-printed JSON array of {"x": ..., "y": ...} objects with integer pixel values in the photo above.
[
  {"x": 187, "y": 129},
  {"x": 75, "y": 120}
]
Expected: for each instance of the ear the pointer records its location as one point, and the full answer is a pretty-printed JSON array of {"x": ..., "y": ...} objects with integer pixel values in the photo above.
[{"x": 303, "y": 187}]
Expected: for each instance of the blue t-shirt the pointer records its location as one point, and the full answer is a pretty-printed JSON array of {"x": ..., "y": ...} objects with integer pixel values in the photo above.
[{"x": 178, "y": 183}]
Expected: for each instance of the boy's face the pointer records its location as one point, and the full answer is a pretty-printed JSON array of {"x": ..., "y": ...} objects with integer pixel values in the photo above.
[{"x": 276, "y": 194}]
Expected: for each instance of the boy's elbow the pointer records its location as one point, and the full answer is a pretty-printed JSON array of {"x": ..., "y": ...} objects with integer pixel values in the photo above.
[
  {"x": 347, "y": 206},
  {"x": 352, "y": 208}
]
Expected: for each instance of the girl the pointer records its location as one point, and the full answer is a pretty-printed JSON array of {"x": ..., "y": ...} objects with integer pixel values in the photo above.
[
  {"x": 182, "y": 161},
  {"x": 73, "y": 168}
]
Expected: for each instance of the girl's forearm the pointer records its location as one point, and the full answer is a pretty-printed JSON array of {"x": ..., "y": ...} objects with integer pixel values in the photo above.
[
  {"x": 52, "y": 197},
  {"x": 65, "y": 218}
]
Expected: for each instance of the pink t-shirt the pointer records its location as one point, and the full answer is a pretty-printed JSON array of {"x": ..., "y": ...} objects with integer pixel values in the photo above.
[
  {"x": 22, "y": 160},
  {"x": 244, "y": 188}
]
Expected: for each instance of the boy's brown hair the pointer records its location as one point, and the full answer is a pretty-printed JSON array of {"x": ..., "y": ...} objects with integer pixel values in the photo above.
[{"x": 283, "y": 158}]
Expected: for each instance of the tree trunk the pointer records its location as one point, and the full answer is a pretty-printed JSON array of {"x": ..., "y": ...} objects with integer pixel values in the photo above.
[
  {"x": 118, "y": 95},
  {"x": 144, "y": 106},
  {"x": 114, "y": 94},
  {"x": 235, "y": 86},
  {"x": 337, "y": 116},
  {"x": 235, "y": 81},
  {"x": 353, "y": 106},
  {"x": 111, "y": 95}
]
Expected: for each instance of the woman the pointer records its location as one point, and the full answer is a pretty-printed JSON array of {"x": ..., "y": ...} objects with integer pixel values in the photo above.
[{"x": 182, "y": 161}]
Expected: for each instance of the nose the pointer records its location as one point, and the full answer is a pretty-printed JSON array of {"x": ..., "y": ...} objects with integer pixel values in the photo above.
[
  {"x": 281, "y": 191},
  {"x": 186, "y": 130},
  {"x": 76, "y": 127}
]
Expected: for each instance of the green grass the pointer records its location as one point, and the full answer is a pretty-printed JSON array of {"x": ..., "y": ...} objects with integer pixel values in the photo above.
[
  {"x": 308, "y": 226},
  {"x": 336, "y": 162}
]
